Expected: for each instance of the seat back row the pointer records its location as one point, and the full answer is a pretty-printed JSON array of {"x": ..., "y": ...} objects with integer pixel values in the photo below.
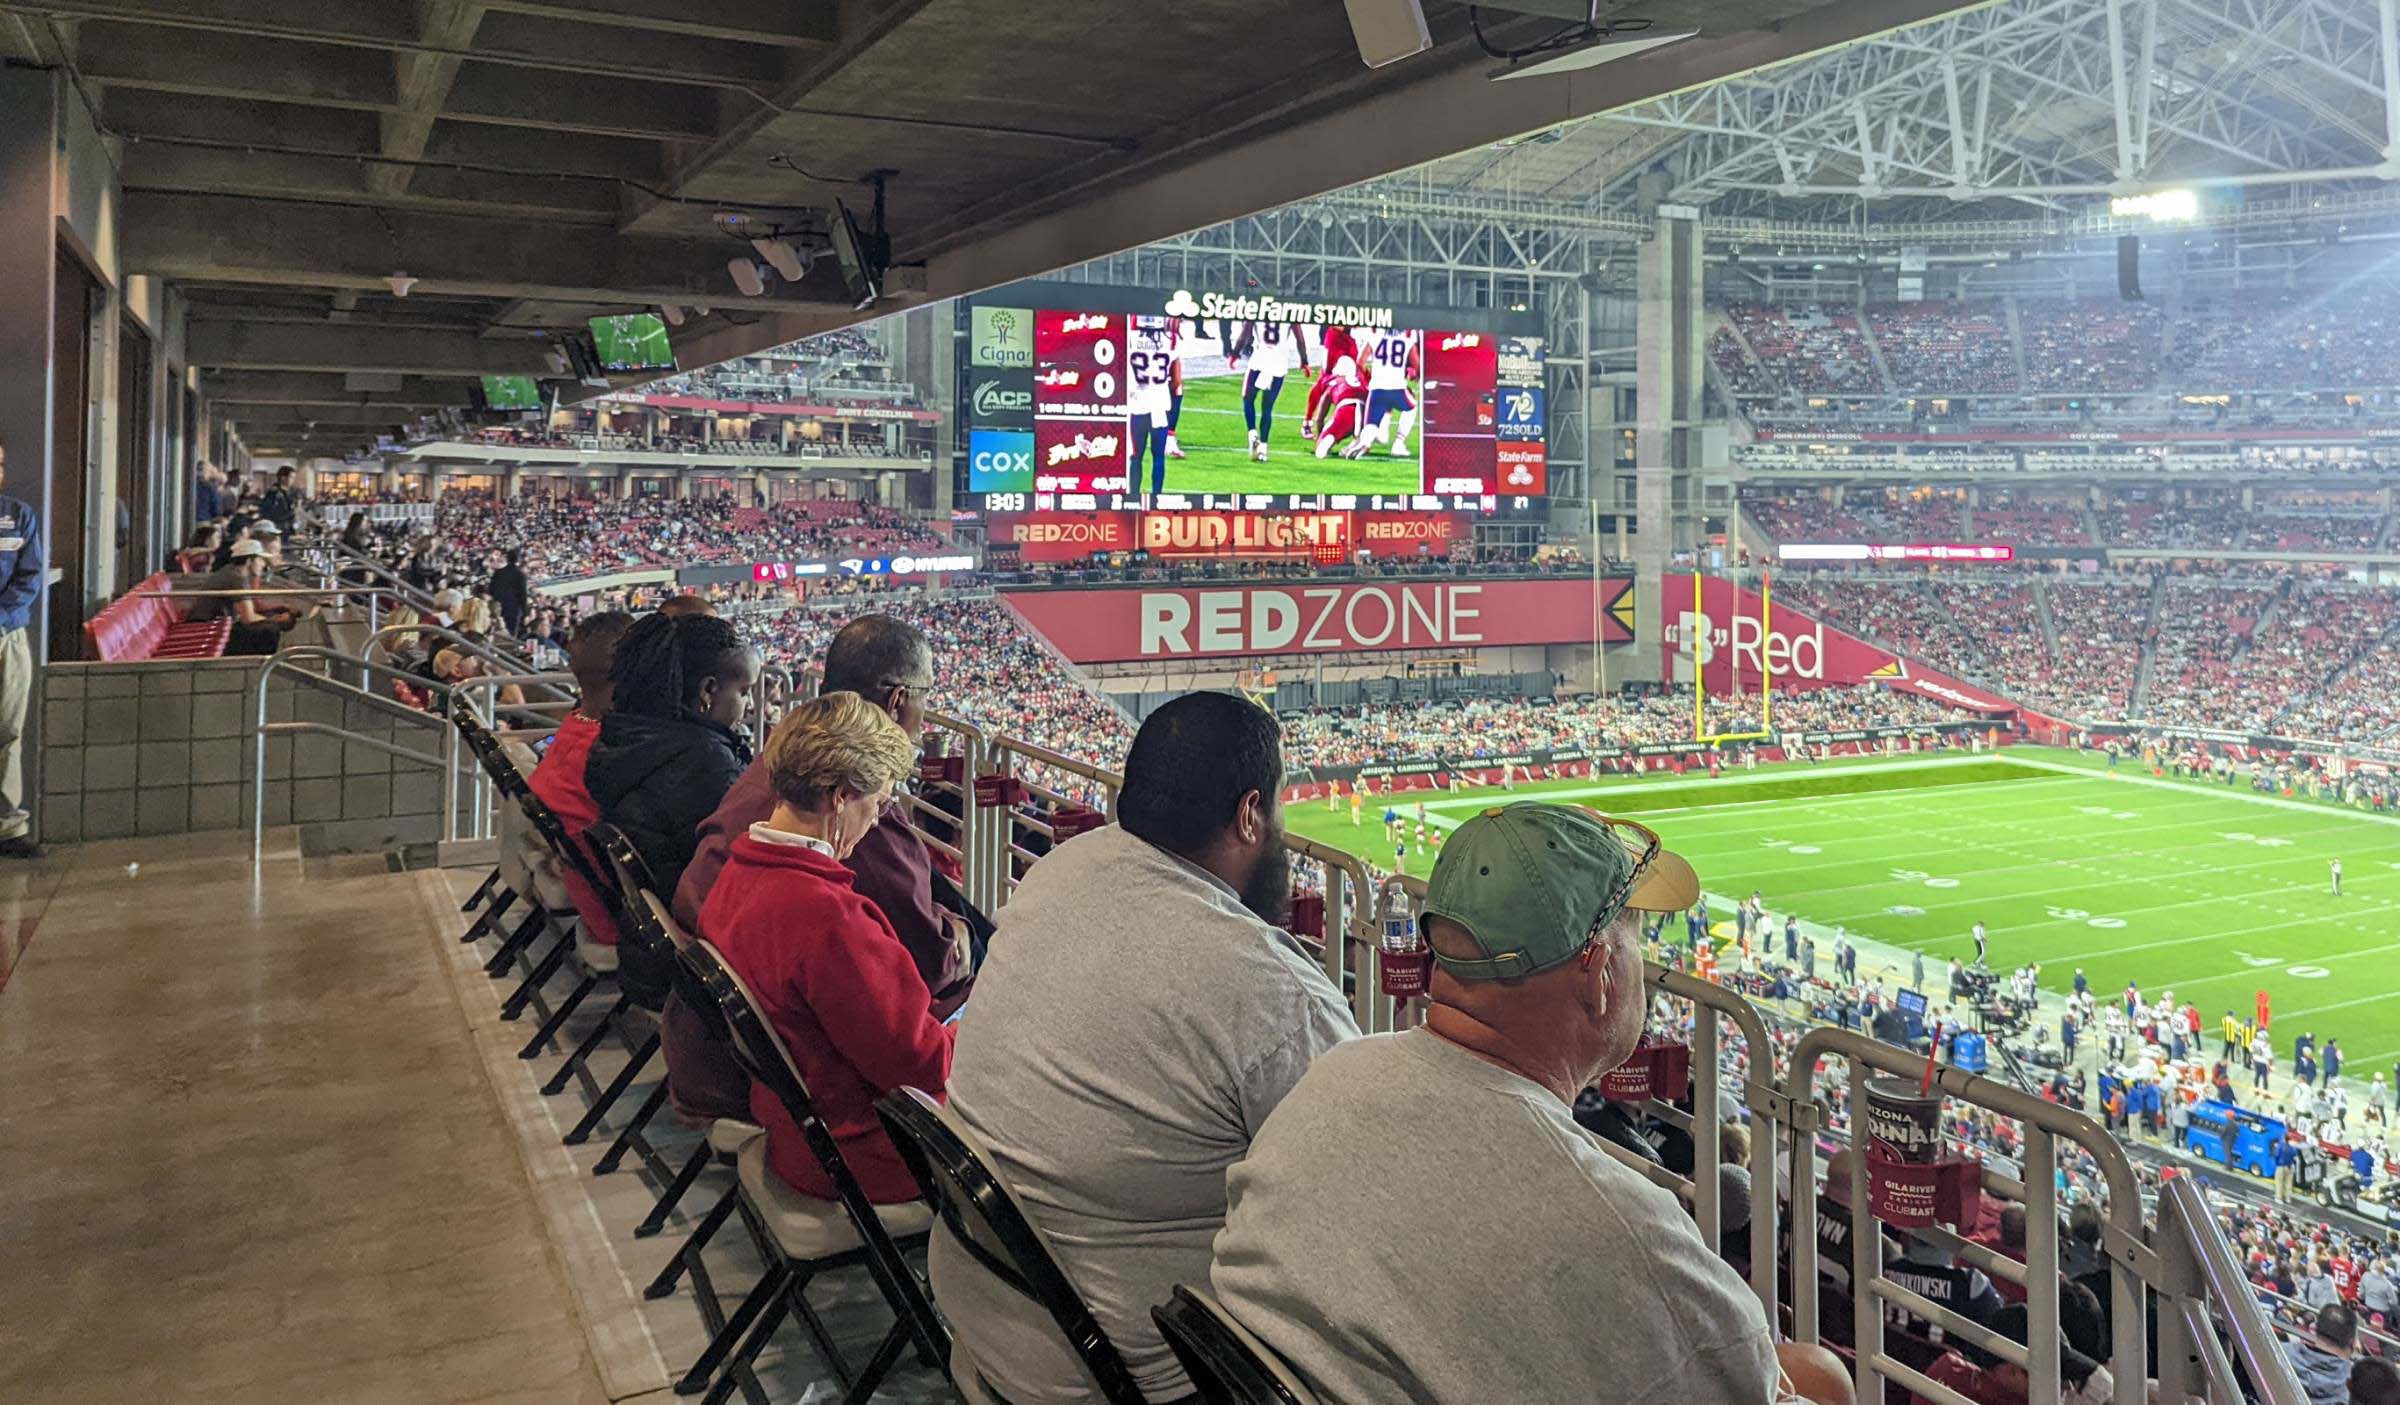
[{"x": 142, "y": 624}]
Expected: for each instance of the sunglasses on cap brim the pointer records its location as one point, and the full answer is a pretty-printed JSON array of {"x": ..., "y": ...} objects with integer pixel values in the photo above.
[{"x": 1642, "y": 845}]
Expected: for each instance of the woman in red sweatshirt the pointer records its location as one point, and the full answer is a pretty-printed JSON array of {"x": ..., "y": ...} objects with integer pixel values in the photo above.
[{"x": 830, "y": 974}]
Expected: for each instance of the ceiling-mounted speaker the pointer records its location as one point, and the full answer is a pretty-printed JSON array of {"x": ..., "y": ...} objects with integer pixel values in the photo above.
[{"x": 1388, "y": 31}]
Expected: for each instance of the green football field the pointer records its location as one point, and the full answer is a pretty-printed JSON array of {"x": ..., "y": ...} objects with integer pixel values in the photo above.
[
  {"x": 2202, "y": 888},
  {"x": 637, "y": 339},
  {"x": 1216, "y": 446}
]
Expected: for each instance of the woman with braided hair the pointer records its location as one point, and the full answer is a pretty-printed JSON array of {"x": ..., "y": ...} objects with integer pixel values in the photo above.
[{"x": 672, "y": 745}]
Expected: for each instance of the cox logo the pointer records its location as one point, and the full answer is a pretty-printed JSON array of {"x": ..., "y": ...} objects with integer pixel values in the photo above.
[{"x": 999, "y": 460}]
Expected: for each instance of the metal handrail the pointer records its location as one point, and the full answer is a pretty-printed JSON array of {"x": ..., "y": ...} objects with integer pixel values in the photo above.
[
  {"x": 470, "y": 647},
  {"x": 389, "y": 580},
  {"x": 2200, "y": 1271},
  {"x": 288, "y": 662},
  {"x": 482, "y": 697},
  {"x": 2044, "y": 1122}
]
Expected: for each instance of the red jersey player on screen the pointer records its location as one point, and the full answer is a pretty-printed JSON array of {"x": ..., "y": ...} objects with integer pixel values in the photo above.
[
  {"x": 1341, "y": 362},
  {"x": 1337, "y": 406}
]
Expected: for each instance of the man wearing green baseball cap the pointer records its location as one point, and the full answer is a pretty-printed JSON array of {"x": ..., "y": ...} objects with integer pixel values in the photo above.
[{"x": 1421, "y": 1218}]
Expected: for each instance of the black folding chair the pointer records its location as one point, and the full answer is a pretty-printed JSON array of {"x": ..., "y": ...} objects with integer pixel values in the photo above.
[
  {"x": 726, "y": 1137},
  {"x": 647, "y": 928},
  {"x": 963, "y": 1185},
  {"x": 600, "y": 961},
  {"x": 541, "y": 918},
  {"x": 1227, "y": 1364},
  {"x": 812, "y": 1237}
]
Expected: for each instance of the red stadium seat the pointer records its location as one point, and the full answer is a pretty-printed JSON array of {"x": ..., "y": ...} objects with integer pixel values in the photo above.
[{"x": 142, "y": 625}]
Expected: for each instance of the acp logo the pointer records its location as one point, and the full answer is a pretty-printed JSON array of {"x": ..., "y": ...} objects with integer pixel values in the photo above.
[
  {"x": 1182, "y": 304},
  {"x": 994, "y": 399}
]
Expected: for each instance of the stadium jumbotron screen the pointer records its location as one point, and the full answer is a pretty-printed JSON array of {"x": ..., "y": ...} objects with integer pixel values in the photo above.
[{"x": 1092, "y": 396}]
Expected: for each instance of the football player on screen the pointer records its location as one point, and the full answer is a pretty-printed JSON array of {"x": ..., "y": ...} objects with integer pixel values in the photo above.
[
  {"x": 1338, "y": 405},
  {"x": 1186, "y": 333},
  {"x": 1341, "y": 368},
  {"x": 1273, "y": 349},
  {"x": 1150, "y": 365},
  {"x": 1391, "y": 358}
]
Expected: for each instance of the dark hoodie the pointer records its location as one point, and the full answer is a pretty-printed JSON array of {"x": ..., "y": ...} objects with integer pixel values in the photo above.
[{"x": 657, "y": 778}]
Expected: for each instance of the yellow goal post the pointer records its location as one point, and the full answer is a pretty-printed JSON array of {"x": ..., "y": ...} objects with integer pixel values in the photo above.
[{"x": 1738, "y": 717}]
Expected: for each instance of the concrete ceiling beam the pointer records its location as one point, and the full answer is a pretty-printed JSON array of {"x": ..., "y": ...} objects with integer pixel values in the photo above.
[
  {"x": 215, "y": 239},
  {"x": 784, "y": 23},
  {"x": 423, "y": 80},
  {"x": 284, "y": 71},
  {"x": 330, "y": 389},
  {"x": 245, "y": 347}
]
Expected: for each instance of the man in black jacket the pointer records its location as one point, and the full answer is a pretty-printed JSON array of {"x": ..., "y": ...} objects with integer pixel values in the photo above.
[{"x": 509, "y": 592}]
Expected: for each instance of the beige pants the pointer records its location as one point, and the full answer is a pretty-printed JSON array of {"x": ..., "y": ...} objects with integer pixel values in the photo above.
[{"x": 16, "y": 691}]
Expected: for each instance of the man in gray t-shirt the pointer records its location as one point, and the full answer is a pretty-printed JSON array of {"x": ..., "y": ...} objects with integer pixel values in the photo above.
[
  {"x": 1422, "y": 1219},
  {"x": 1137, "y": 1019}
]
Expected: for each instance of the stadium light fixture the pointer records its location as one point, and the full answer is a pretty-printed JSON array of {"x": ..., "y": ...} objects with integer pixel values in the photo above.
[
  {"x": 2162, "y": 206},
  {"x": 400, "y": 283},
  {"x": 747, "y": 277},
  {"x": 1603, "y": 47},
  {"x": 788, "y": 262},
  {"x": 672, "y": 313},
  {"x": 1388, "y": 31}
]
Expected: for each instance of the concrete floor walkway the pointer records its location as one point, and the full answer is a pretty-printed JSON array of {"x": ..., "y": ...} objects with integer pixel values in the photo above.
[{"x": 250, "y": 1148}]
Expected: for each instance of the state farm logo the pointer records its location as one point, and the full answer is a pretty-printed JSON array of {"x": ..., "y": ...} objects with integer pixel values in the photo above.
[
  {"x": 1085, "y": 322},
  {"x": 1519, "y": 476},
  {"x": 1083, "y": 446},
  {"x": 1456, "y": 341},
  {"x": 1431, "y": 529},
  {"x": 1059, "y": 378},
  {"x": 1068, "y": 533},
  {"x": 994, "y": 398},
  {"x": 1182, "y": 304}
]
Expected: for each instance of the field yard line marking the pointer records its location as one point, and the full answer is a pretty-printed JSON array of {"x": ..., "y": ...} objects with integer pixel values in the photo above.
[
  {"x": 1731, "y": 806},
  {"x": 1435, "y": 816},
  {"x": 1630, "y": 787},
  {"x": 2123, "y": 855},
  {"x": 2307, "y": 885},
  {"x": 2230, "y": 792},
  {"x": 2343, "y": 1004},
  {"x": 2014, "y": 797},
  {"x": 1915, "y": 825},
  {"x": 2219, "y": 936},
  {"x": 2261, "y": 971}
]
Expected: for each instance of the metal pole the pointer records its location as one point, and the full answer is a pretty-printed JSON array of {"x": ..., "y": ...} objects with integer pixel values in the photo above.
[
  {"x": 2041, "y": 1261},
  {"x": 1866, "y": 1243},
  {"x": 1705, "y": 1147}
]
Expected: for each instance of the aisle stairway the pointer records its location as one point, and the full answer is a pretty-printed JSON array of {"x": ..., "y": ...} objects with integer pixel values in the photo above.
[
  {"x": 2139, "y": 701},
  {"x": 2016, "y": 339},
  {"x": 2041, "y": 607},
  {"x": 1866, "y": 333}
]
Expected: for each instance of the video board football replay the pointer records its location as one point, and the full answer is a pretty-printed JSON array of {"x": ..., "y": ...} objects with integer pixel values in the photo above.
[{"x": 1085, "y": 395}]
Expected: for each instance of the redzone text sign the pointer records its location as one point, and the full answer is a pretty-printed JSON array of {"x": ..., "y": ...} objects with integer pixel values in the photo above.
[{"x": 1110, "y": 626}]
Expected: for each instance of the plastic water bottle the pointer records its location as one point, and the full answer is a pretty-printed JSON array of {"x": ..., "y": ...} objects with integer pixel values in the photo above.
[{"x": 1402, "y": 960}]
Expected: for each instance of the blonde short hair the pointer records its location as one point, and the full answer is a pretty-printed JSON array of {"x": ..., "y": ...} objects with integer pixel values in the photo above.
[{"x": 837, "y": 742}]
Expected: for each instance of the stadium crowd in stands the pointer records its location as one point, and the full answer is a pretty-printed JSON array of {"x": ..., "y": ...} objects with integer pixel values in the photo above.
[{"x": 569, "y": 537}]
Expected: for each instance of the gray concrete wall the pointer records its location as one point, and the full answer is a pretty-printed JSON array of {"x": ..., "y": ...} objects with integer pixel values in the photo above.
[{"x": 166, "y": 748}]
